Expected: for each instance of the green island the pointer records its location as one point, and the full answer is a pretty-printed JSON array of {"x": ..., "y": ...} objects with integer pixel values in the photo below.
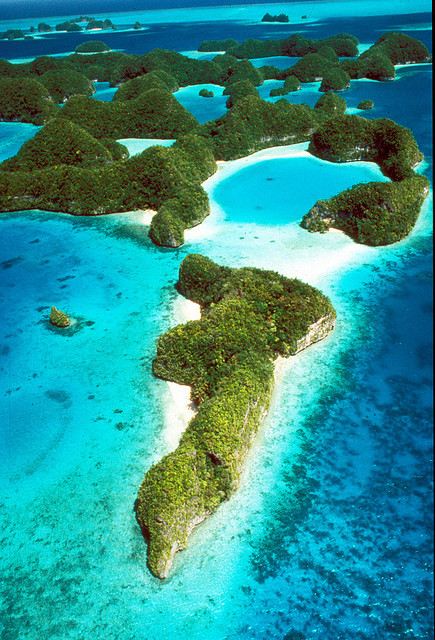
[
  {"x": 365, "y": 104},
  {"x": 75, "y": 164},
  {"x": 377, "y": 213},
  {"x": 92, "y": 46},
  {"x": 249, "y": 317},
  {"x": 282, "y": 17},
  {"x": 206, "y": 93},
  {"x": 12, "y": 34}
]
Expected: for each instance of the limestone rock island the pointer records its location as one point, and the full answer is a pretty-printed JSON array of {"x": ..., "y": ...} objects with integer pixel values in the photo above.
[{"x": 249, "y": 318}]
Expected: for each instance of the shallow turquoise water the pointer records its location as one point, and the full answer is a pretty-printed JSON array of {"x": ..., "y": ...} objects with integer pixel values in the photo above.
[
  {"x": 281, "y": 191},
  {"x": 329, "y": 535}
]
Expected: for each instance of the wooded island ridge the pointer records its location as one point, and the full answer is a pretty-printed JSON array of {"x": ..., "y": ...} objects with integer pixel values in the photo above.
[{"x": 70, "y": 179}]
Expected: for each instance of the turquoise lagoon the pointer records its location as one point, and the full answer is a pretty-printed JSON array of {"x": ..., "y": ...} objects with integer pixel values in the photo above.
[{"x": 329, "y": 535}]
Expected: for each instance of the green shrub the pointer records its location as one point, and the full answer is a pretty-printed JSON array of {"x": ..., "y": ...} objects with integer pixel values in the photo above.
[
  {"x": 205, "y": 93},
  {"x": 329, "y": 106},
  {"x": 68, "y": 26},
  {"x": 402, "y": 49},
  {"x": 291, "y": 83},
  {"x": 383, "y": 141},
  {"x": 166, "y": 228},
  {"x": 131, "y": 89},
  {"x": 328, "y": 52},
  {"x": 12, "y": 34},
  {"x": 153, "y": 114},
  {"x": 282, "y": 17},
  {"x": 309, "y": 68},
  {"x": 43, "y": 27},
  {"x": 254, "y": 124},
  {"x": 243, "y": 70},
  {"x": 187, "y": 71},
  {"x": 217, "y": 45},
  {"x": 296, "y": 45}
]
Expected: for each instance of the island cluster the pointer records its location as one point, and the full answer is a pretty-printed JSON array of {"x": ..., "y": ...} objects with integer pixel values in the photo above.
[{"x": 249, "y": 317}]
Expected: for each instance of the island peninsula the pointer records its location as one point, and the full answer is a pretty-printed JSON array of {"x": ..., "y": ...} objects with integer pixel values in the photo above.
[{"x": 249, "y": 317}]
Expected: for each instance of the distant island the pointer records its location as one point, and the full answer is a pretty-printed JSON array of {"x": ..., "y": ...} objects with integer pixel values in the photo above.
[
  {"x": 249, "y": 317},
  {"x": 277, "y": 18}
]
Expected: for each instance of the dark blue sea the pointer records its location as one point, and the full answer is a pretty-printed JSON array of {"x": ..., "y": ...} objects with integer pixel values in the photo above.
[{"x": 330, "y": 535}]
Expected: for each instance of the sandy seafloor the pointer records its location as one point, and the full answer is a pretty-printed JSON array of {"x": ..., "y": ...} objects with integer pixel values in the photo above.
[{"x": 330, "y": 534}]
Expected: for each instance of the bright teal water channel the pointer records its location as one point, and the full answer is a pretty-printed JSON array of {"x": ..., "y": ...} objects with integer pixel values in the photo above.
[{"x": 282, "y": 190}]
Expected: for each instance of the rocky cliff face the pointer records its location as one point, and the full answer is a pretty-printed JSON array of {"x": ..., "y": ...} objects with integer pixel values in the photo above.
[
  {"x": 196, "y": 489},
  {"x": 317, "y": 331}
]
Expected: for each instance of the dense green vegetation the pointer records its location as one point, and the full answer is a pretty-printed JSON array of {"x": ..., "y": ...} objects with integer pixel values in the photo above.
[
  {"x": 377, "y": 213},
  {"x": 185, "y": 211},
  {"x": 290, "y": 84},
  {"x": 83, "y": 178},
  {"x": 296, "y": 45},
  {"x": 383, "y": 141},
  {"x": 217, "y": 45},
  {"x": 186, "y": 70},
  {"x": 329, "y": 106},
  {"x": 161, "y": 80},
  {"x": 59, "y": 142},
  {"x": 92, "y": 46},
  {"x": 309, "y": 68},
  {"x": 43, "y": 27},
  {"x": 206, "y": 93},
  {"x": 365, "y": 104},
  {"x": 377, "y": 62},
  {"x": 99, "y": 24},
  {"x": 65, "y": 84},
  {"x": 144, "y": 106},
  {"x": 253, "y": 124},
  {"x": 12, "y": 34},
  {"x": 335, "y": 80},
  {"x": 68, "y": 26},
  {"x": 328, "y": 52},
  {"x": 282, "y": 17},
  {"x": 153, "y": 114},
  {"x": 249, "y": 316},
  {"x": 25, "y": 100},
  {"x": 240, "y": 89}
]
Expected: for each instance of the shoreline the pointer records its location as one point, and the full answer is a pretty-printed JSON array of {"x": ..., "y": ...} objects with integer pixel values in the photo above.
[{"x": 180, "y": 409}]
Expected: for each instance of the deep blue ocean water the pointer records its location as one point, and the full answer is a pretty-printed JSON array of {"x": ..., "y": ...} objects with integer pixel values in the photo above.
[{"x": 330, "y": 533}]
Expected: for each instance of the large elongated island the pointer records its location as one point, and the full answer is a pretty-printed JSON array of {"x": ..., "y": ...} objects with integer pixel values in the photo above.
[{"x": 249, "y": 317}]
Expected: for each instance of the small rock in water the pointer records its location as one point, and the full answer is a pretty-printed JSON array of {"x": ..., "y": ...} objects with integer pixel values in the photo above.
[{"x": 59, "y": 318}]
